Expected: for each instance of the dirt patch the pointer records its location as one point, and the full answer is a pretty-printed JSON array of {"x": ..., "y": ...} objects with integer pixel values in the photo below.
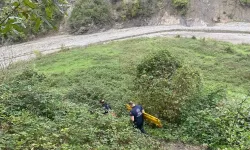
[{"x": 182, "y": 146}]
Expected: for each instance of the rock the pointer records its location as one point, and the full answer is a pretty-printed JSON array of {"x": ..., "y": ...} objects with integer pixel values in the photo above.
[
  {"x": 82, "y": 30},
  {"x": 195, "y": 22},
  {"x": 169, "y": 20}
]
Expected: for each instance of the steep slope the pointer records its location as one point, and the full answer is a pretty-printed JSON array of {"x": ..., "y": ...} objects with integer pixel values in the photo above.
[
  {"x": 94, "y": 16},
  {"x": 48, "y": 107},
  {"x": 213, "y": 11}
]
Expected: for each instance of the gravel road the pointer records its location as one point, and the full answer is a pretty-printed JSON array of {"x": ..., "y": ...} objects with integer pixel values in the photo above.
[{"x": 232, "y": 32}]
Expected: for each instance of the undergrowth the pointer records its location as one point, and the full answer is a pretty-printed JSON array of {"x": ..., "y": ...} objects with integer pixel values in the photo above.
[
  {"x": 92, "y": 15},
  {"x": 52, "y": 102}
]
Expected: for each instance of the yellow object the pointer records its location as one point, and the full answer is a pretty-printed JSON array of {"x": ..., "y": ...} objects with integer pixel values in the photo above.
[{"x": 149, "y": 117}]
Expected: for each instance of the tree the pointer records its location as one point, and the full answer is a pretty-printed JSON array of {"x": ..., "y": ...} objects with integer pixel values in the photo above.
[{"x": 17, "y": 14}]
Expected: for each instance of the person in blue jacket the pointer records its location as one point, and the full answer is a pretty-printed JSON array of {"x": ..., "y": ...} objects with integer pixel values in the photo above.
[
  {"x": 106, "y": 106},
  {"x": 136, "y": 116}
]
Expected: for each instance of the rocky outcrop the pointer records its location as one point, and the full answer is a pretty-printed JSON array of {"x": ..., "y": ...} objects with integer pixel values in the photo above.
[
  {"x": 162, "y": 12},
  {"x": 218, "y": 11}
]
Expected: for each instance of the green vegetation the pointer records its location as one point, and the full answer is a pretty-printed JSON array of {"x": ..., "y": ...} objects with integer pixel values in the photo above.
[
  {"x": 34, "y": 119},
  {"x": 53, "y": 101},
  {"x": 181, "y": 5},
  {"x": 89, "y": 15},
  {"x": 137, "y": 8},
  {"x": 175, "y": 93},
  {"x": 245, "y": 2},
  {"x": 167, "y": 83},
  {"x": 20, "y": 19}
]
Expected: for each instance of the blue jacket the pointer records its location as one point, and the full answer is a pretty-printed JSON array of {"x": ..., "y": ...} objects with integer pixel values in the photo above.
[
  {"x": 106, "y": 107},
  {"x": 138, "y": 115}
]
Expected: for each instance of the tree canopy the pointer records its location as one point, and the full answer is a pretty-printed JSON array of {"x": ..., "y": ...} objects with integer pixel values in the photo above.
[{"x": 17, "y": 14}]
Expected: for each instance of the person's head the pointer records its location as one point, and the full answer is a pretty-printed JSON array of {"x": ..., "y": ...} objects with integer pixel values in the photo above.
[
  {"x": 102, "y": 101},
  {"x": 131, "y": 104}
]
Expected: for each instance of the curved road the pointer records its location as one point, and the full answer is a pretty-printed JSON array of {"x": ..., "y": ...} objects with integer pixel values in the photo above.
[{"x": 232, "y": 32}]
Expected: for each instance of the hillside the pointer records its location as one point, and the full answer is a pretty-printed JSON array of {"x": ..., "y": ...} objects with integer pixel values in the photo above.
[
  {"x": 52, "y": 102},
  {"x": 198, "y": 87},
  {"x": 128, "y": 13},
  {"x": 86, "y": 16}
]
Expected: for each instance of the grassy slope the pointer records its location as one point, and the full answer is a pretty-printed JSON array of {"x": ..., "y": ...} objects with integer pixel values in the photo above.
[
  {"x": 107, "y": 70},
  {"x": 220, "y": 63}
]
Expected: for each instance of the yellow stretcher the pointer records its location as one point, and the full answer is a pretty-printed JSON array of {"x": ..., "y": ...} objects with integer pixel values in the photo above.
[{"x": 149, "y": 117}]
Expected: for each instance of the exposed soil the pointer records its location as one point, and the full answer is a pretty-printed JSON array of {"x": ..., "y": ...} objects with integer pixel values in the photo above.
[{"x": 181, "y": 146}]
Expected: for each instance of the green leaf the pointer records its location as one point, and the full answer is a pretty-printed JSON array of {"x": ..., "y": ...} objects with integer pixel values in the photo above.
[
  {"x": 38, "y": 24},
  {"x": 25, "y": 14},
  {"x": 10, "y": 20},
  {"x": 6, "y": 29},
  {"x": 30, "y": 4},
  {"x": 16, "y": 4},
  {"x": 17, "y": 27},
  {"x": 49, "y": 12}
]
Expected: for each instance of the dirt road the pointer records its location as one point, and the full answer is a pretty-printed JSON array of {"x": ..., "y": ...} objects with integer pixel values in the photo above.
[{"x": 234, "y": 32}]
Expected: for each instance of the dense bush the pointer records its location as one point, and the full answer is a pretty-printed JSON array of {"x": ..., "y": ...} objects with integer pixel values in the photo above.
[
  {"x": 73, "y": 128},
  {"x": 22, "y": 94},
  {"x": 164, "y": 85},
  {"x": 33, "y": 119},
  {"x": 217, "y": 124},
  {"x": 181, "y": 5},
  {"x": 137, "y": 8},
  {"x": 174, "y": 92},
  {"x": 90, "y": 13}
]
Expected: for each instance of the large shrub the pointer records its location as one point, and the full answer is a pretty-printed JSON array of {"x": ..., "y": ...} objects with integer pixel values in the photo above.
[
  {"x": 218, "y": 125},
  {"x": 137, "y": 8},
  {"x": 181, "y": 5},
  {"x": 21, "y": 93},
  {"x": 89, "y": 13},
  {"x": 164, "y": 85},
  {"x": 92, "y": 15}
]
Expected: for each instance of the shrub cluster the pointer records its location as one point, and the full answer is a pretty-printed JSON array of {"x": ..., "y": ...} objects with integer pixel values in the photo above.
[
  {"x": 137, "y": 8},
  {"x": 181, "y": 5},
  {"x": 90, "y": 15},
  {"x": 33, "y": 119},
  {"x": 164, "y": 85},
  {"x": 175, "y": 93}
]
